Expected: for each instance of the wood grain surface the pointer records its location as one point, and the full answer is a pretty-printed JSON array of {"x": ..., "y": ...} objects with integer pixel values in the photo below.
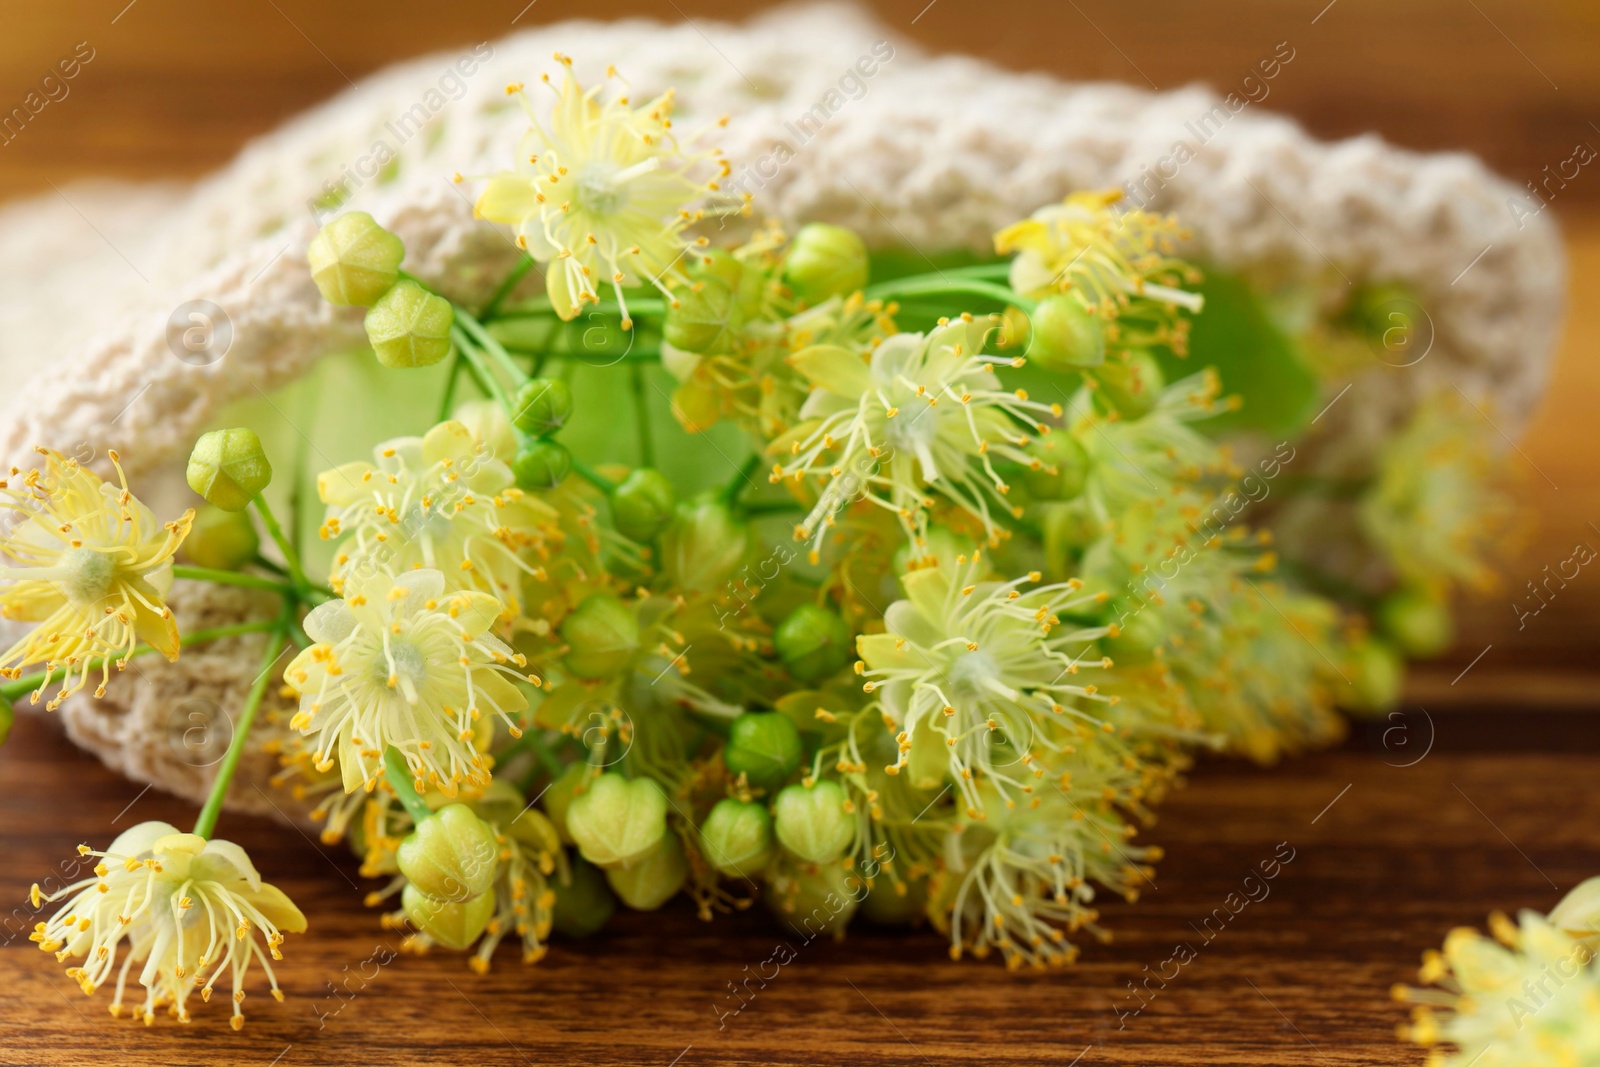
[
  {"x": 1499, "y": 813},
  {"x": 1382, "y": 860}
]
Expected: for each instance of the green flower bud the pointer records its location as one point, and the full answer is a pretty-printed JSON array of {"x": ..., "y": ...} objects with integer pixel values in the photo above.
[
  {"x": 825, "y": 261},
  {"x": 811, "y": 821},
  {"x": 815, "y": 900},
  {"x": 559, "y": 796},
  {"x": 1070, "y": 462},
  {"x": 704, "y": 545},
  {"x": 813, "y": 642},
  {"x": 738, "y": 837},
  {"x": 541, "y": 464},
  {"x": 542, "y": 406},
  {"x": 618, "y": 819},
  {"x": 583, "y": 905},
  {"x": 409, "y": 326},
  {"x": 722, "y": 266},
  {"x": 703, "y": 317},
  {"x": 1064, "y": 335},
  {"x": 1376, "y": 673},
  {"x": 764, "y": 746},
  {"x": 223, "y": 540},
  {"x": 602, "y": 636},
  {"x": 1132, "y": 385},
  {"x": 890, "y": 903},
  {"x": 353, "y": 260},
  {"x": 643, "y": 504},
  {"x": 1418, "y": 623},
  {"x": 451, "y": 855},
  {"x": 532, "y": 830},
  {"x": 454, "y": 924},
  {"x": 229, "y": 468},
  {"x": 1068, "y": 528},
  {"x": 652, "y": 880}
]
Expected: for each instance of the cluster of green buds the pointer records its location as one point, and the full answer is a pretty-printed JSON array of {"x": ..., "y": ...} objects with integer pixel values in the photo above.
[
  {"x": 450, "y": 861},
  {"x": 620, "y": 826},
  {"x": 541, "y": 407},
  {"x": 356, "y": 263}
]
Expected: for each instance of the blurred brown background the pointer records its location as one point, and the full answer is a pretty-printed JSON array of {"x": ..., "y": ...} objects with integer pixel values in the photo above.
[{"x": 177, "y": 86}]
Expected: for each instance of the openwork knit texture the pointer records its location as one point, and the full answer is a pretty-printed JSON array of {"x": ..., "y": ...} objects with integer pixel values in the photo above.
[{"x": 938, "y": 153}]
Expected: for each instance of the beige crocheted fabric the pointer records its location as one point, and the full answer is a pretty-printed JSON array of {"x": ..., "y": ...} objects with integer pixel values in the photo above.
[{"x": 927, "y": 152}]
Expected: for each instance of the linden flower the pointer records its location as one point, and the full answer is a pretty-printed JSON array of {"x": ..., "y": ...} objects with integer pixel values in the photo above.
[
  {"x": 1110, "y": 259},
  {"x": 92, "y": 568},
  {"x": 1432, "y": 508},
  {"x": 444, "y": 501},
  {"x": 1530, "y": 1000},
  {"x": 188, "y": 909},
  {"x": 1021, "y": 882},
  {"x": 603, "y": 195},
  {"x": 922, "y": 411},
  {"x": 973, "y": 677},
  {"x": 400, "y": 663}
]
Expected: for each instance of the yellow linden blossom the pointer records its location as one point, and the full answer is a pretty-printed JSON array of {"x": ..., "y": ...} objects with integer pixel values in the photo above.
[
  {"x": 444, "y": 501},
  {"x": 1119, "y": 263},
  {"x": 1530, "y": 997},
  {"x": 398, "y": 662},
  {"x": 91, "y": 566},
  {"x": 188, "y": 909},
  {"x": 921, "y": 412},
  {"x": 602, "y": 196},
  {"x": 979, "y": 684}
]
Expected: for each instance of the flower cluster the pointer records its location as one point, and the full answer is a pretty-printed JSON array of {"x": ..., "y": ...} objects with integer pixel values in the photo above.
[{"x": 772, "y": 578}]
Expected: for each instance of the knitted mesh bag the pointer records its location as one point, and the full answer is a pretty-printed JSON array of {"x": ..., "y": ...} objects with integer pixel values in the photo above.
[{"x": 928, "y": 154}]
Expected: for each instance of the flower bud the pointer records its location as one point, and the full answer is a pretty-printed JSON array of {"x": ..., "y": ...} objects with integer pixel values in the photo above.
[
  {"x": 409, "y": 326},
  {"x": 1376, "y": 673},
  {"x": 542, "y": 406},
  {"x": 825, "y": 261},
  {"x": 532, "y": 830},
  {"x": 229, "y": 468},
  {"x": 813, "y": 642},
  {"x": 451, "y": 855},
  {"x": 560, "y": 794},
  {"x": 454, "y": 924},
  {"x": 704, "y": 545},
  {"x": 737, "y": 836},
  {"x": 584, "y": 904},
  {"x": 602, "y": 636},
  {"x": 764, "y": 746},
  {"x": 618, "y": 820},
  {"x": 353, "y": 260},
  {"x": 643, "y": 504},
  {"x": 541, "y": 464},
  {"x": 703, "y": 317},
  {"x": 651, "y": 881},
  {"x": 696, "y": 405},
  {"x": 1133, "y": 385},
  {"x": 811, "y": 821},
  {"x": 815, "y": 900},
  {"x": 1418, "y": 623},
  {"x": 1064, "y": 335},
  {"x": 222, "y": 540},
  {"x": 1064, "y": 467}
]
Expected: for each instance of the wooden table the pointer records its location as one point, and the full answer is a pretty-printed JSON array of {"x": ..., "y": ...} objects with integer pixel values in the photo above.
[
  {"x": 1500, "y": 813},
  {"x": 1386, "y": 858}
]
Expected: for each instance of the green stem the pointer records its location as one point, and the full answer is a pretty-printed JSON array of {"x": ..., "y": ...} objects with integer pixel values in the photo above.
[
  {"x": 518, "y": 272},
  {"x": 29, "y": 682},
  {"x": 641, "y": 412},
  {"x": 593, "y": 477},
  {"x": 399, "y": 777},
  {"x": 291, "y": 558},
  {"x": 211, "y": 574},
  {"x": 448, "y": 401},
  {"x": 771, "y": 507},
  {"x": 207, "y": 820},
  {"x": 730, "y": 493},
  {"x": 933, "y": 284},
  {"x": 480, "y": 373},
  {"x": 486, "y": 343}
]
